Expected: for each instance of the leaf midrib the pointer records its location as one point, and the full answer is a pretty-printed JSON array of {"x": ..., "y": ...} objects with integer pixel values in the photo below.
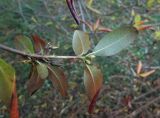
[
  {"x": 57, "y": 79},
  {"x": 92, "y": 79},
  {"x": 110, "y": 44}
]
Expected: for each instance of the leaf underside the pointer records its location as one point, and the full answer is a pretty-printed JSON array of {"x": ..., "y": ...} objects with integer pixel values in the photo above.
[
  {"x": 35, "y": 82},
  {"x": 80, "y": 42},
  {"x": 115, "y": 41},
  {"x": 58, "y": 79},
  {"x": 93, "y": 80}
]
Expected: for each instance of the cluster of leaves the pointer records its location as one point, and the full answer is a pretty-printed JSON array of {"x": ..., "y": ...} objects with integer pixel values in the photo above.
[{"x": 109, "y": 45}]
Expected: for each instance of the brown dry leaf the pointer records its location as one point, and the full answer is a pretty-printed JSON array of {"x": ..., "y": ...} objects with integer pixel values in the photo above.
[
  {"x": 146, "y": 74},
  {"x": 139, "y": 67},
  {"x": 35, "y": 82},
  {"x": 104, "y": 29},
  {"x": 59, "y": 80}
]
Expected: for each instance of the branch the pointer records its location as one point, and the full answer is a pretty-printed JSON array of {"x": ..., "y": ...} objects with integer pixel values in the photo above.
[
  {"x": 138, "y": 98},
  {"x": 82, "y": 15},
  {"x": 136, "y": 112},
  {"x": 72, "y": 9},
  {"x": 146, "y": 94},
  {"x": 36, "y": 56}
]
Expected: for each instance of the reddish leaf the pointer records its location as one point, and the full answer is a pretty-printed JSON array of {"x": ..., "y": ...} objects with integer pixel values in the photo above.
[
  {"x": 35, "y": 82},
  {"x": 144, "y": 27},
  {"x": 14, "y": 112},
  {"x": 7, "y": 78},
  {"x": 39, "y": 44},
  {"x": 127, "y": 101},
  {"x": 104, "y": 29},
  {"x": 93, "y": 103},
  {"x": 93, "y": 80},
  {"x": 73, "y": 11},
  {"x": 58, "y": 78},
  {"x": 96, "y": 25}
]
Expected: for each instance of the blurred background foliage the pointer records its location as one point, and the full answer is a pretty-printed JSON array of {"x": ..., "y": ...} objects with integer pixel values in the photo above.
[{"x": 52, "y": 21}]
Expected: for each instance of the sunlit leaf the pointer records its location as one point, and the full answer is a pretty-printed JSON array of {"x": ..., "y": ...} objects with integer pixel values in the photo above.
[
  {"x": 157, "y": 35},
  {"x": 94, "y": 10},
  {"x": 137, "y": 19},
  {"x": 14, "y": 112},
  {"x": 150, "y": 3},
  {"x": 24, "y": 43},
  {"x": 7, "y": 78},
  {"x": 146, "y": 74},
  {"x": 89, "y": 6},
  {"x": 59, "y": 80},
  {"x": 42, "y": 70},
  {"x": 89, "y": 2},
  {"x": 115, "y": 41},
  {"x": 93, "y": 79},
  {"x": 80, "y": 42},
  {"x": 139, "y": 67},
  {"x": 34, "y": 82}
]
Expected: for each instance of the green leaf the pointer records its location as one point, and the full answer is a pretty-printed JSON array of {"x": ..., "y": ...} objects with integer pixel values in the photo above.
[
  {"x": 42, "y": 70},
  {"x": 80, "y": 42},
  {"x": 58, "y": 78},
  {"x": 137, "y": 18},
  {"x": 89, "y": 6},
  {"x": 39, "y": 44},
  {"x": 157, "y": 35},
  {"x": 150, "y": 3},
  {"x": 115, "y": 41},
  {"x": 7, "y": 78},
  {"x": 89, "y": 2},
  {"x": 93, "y": 79},
  {"x": 24, "y": 43}
]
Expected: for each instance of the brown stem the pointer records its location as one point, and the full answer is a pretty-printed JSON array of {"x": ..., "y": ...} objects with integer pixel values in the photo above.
[
  {"x": 36, "y": 56},
  {"x": 73, "y": 11}
]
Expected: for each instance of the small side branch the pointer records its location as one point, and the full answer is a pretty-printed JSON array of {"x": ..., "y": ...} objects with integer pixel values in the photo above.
[{"x": 136, "y": 112}]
